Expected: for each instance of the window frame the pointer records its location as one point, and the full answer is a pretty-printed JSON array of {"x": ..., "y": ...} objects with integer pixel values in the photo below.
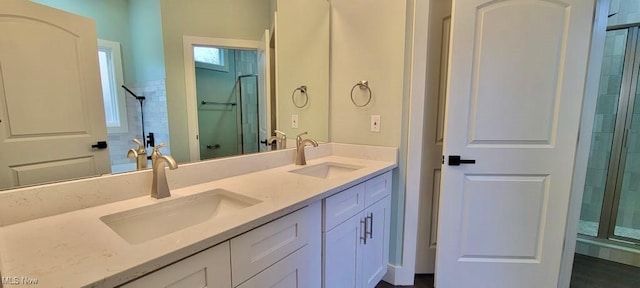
[
  {"x": 210, "y": 66},
  {"x": 114, "y": 58}
]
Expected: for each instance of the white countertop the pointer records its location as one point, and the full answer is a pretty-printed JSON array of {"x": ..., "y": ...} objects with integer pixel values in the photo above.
[{"x": 77, "y": 249}]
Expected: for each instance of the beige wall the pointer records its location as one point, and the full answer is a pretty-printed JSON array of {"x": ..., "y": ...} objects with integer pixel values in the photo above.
[
  {"x": 235, "y": 19},
  {"x": 368, "y": 42},
  {"x": 302, "y": 54}
]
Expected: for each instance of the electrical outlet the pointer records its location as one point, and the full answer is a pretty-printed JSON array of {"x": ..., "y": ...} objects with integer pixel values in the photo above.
[
  {"x": 294, "y": 121},
  {"x": 375, "y": 123}
]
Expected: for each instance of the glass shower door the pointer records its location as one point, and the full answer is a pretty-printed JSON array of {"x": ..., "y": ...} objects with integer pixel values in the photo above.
[
  {"x": 627, "y": 223},
  {"x": 248, "y": 88},
  {"x": 611, "y": 78}
]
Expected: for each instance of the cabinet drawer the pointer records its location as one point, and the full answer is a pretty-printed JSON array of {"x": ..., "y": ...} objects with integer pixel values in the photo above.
[
  {"x": 262, "y": 247},
  {"x": 209, "y": 268},
  {"x": 291, "y": 272},
  {"x": 377, "y": 188},
  {"x": 342, "y": 206}
]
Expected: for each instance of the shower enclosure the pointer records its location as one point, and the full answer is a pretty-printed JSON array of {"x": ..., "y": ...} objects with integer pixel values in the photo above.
[{"x": 611, "y": 201}]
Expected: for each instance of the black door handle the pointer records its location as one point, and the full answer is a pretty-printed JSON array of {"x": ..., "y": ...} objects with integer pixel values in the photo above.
[
  {"x": 100, "y": 145},
  {"x": 454, "y": 160}
]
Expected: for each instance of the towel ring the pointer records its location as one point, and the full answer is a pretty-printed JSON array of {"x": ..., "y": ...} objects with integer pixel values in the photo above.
[
  {"x": 363, "y": 85},
  {"x": 303, "y": 91}
]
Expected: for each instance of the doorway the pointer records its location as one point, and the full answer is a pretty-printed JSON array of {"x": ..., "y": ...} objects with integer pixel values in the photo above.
[{"x": 227, "y": 96}]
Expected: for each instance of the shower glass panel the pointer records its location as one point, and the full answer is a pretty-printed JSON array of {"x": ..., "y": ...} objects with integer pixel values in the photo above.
[
  {"x": 248, "y": 88},
  {"x": 603, "y": 131},
  {"x": 628, "y": 218}
]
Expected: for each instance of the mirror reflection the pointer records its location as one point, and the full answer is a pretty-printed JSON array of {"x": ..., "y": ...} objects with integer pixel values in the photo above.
[{"x": 222, "y": 93}]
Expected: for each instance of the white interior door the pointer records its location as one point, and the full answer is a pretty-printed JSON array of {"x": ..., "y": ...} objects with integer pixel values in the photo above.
[
  {"x": 516, "y": 81},
  {"x": 436, "y": 84},
  {"x": 264, "y": 99},
  {"x": 51, "y": 107}
]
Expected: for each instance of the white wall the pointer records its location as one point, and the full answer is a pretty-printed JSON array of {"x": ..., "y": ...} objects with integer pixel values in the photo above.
[
  {"x": 368, "y": 43},
  {"x": 302, "y": 53}
]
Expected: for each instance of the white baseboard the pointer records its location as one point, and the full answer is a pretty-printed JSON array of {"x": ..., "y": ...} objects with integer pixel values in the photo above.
[
  {"x": 390, "y": 277},
  {"x": 397, "y": 275}
]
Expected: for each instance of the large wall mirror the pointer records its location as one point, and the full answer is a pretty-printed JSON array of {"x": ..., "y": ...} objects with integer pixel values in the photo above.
[{"x": 208, "y": 78}]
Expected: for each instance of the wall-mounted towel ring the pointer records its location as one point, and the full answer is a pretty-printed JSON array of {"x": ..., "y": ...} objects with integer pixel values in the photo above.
[
  {"x": 303, "y": 91},
  {"x": 363, "y": 85}
]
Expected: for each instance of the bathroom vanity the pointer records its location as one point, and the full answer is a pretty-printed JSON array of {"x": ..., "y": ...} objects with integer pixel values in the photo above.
[{"x": 248, "y": 221}]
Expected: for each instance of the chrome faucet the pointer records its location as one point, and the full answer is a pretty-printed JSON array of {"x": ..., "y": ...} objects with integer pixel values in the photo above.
[
  {"x": 273, "y": 142},
  {"x": 282, "y": 139},
  {"x": 140, "y": 154},
  {"x": 278, "y": 141},
  {"x": 159, "y": 187},
  {"x": 300, "y": 158}
]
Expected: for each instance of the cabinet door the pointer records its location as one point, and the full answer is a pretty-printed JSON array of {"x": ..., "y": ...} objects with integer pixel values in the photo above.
[
  {"x": 343, "y": 253},
  {"x": 375, "y": 253},
  {"x": 290, "y": 272},
  {"x": 210, "y": 268}
]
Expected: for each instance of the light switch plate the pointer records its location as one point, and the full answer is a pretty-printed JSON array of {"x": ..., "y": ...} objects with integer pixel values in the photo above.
[
  {"x": 294, "y": 121},
  {"x": 375, "y": 123}
]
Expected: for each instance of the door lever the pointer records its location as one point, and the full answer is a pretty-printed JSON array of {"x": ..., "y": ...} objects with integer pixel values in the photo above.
[
  {"x": 454, "y": 160},
  {"x": 100, "y": 145}
]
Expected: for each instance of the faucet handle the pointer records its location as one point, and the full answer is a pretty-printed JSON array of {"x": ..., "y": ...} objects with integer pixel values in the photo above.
[
  {"x": 303, "y": 133},
  {"x": 137, "y": 141},
  {"x": 156, "y": 151},
  {"x": 280, "y": 132},
  {"x": 141, "y": 149}
]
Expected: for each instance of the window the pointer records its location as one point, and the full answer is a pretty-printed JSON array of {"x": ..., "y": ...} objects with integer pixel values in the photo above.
[
  {"x": 115, "y": 108},
  {"x": 211, "y": 58}
]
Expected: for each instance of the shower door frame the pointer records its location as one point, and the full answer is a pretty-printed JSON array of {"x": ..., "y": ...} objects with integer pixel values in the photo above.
[{"x": 617, "y": 160}]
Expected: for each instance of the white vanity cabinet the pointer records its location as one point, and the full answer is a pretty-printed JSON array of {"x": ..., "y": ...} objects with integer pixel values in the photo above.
[
  {"x": 356, "y": 234},
  {"x": 209, "y": 268},
  {"x": 282, "y": 253}
]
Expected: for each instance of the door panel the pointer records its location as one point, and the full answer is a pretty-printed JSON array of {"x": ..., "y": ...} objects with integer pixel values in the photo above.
[
  {"x": 51, "y": 107},
  {"x": 343, "y": 254},
  {"x": 511, "y": 231},
  {"x": 501, "y": 87},
  {"x": 436, "y": 88},
  {"x": 375, "y": 252},
  {"x": 264, "y": 90},
  {"x": 516, "y": 81}
]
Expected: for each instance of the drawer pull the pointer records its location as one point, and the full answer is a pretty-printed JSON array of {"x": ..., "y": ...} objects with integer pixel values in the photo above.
[
  {"x": 363, "y": 223},
  {"x": 370, "y": 230}
]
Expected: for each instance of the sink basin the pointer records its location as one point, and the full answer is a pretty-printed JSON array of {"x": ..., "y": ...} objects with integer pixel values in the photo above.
[
  {"x": 145, "y": 223},
  {"x": 326, "y": 170}
]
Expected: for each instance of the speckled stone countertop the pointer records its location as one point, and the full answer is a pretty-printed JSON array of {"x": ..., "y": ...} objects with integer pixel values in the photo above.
[{"x": 74, "y": 248}]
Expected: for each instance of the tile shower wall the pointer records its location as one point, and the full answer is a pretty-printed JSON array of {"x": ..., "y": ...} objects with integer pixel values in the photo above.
[
  {"x": 629, "y": 207},
  {"x": 602, "y": 138},
  {"x": 247, "y": 64},
  {"x": 120, "y": 143},
  {"x": 155, "y": 121},
  {"x": 628, "y": 11}
]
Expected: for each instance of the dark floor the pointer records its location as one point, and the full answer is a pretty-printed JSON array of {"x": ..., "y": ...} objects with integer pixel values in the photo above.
[
  {"x": 588, "y": 272},
  {"x": 422, "y": 281}
]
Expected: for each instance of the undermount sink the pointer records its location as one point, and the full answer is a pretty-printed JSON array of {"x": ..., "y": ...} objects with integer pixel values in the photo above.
[
  {"x": 326, "y": 170},
  {"x": 149, "y": 222}
]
